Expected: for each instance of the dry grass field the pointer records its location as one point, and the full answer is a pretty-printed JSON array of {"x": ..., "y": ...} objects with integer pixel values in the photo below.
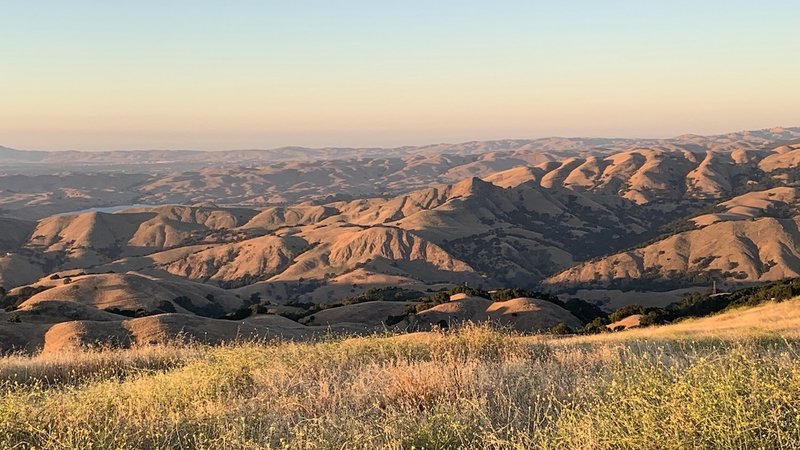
[{"x": 729, "y": 381}]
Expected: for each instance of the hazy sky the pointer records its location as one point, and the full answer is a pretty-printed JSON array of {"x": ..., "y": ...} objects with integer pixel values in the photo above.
[{"x": 255, "y": 74}]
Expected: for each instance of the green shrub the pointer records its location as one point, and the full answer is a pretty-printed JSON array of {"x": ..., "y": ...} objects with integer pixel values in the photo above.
[
  {"x": 561, "y": 329},
  {"x": 625, "y": 311}
]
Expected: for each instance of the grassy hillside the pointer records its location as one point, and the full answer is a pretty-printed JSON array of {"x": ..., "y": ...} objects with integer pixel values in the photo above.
[
  {"x": 765, "y": 321},
  {"x": 474, "y": 388}
]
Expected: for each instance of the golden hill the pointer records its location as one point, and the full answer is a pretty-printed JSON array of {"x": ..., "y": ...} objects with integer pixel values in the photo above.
[
  {"x": 241, "y": 262},
  {"x": 491, "y": 214},
  {"x": 128, "y": 292},
  {"x": 759, "y": 250},
  {"x": 750, "y": 237},
  {"x": 546, "y": 219},
  {"x": 265, "y": 178},
  {"x": 779, "y": 200},
  {"x": 369, "y": 314},
  {"x": 780, "y": 319},
  {"x": 163, "y": 328},
  {"x": 520, "y": 314}
]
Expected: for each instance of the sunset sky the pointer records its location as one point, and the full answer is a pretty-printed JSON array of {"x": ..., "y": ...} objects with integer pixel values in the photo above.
[{"x": 92, "y": 75}]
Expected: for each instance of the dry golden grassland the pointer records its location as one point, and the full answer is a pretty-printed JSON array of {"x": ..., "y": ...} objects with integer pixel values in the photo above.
[{"x": 474, "y": 388}]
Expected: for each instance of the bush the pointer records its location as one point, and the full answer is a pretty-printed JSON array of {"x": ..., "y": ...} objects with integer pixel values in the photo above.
[
  {"x": 437, "y": 298},
  {"x": 394, "y": 320},
  {"x": 166, "y": 306},
  {"x": 561, "y": 329},
  {"x": 596, "y": 326},
  {"x": 11, "y": 302},
  {"x": 625, "y": 311},
  {"x": 470, "y": 291},
  {"x": 385, "y": 294},
  {"x": 239, "y": 314},
  {"x": 701, "y": 304},
  {"x": 502, "y": 295},
  {"x": 211, "y": 309},
  {"x": 583, "y": 310}
]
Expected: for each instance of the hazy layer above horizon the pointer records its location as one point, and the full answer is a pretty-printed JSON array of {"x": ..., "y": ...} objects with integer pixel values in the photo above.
[{"x": 203, "y": 75}]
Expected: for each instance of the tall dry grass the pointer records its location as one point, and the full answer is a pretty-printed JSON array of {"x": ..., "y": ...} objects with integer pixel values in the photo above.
[{"x": 475, "y": 388}]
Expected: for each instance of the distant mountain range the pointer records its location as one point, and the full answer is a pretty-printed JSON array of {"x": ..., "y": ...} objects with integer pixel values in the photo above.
[
  {"x": 613, "y": 221},
  {"x": 563, "y": 146}
]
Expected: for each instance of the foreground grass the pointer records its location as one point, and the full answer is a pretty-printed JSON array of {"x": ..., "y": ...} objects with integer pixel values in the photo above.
[{"x": 475, "y": 388}]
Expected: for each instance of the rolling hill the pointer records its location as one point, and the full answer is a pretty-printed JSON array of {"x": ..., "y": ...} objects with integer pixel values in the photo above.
[
  {"x": 35, "y": 185},
  {"x": 525, "y": 315},
  {"x": 752, "y": 237},
  {"x": 612, "y": 221}
]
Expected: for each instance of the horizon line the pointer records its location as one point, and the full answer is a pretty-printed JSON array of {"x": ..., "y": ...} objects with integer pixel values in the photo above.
[{"x": 379, "y": 147}]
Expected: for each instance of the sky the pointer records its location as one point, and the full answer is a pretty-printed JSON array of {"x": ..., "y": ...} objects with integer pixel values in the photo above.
[{"x": 213, "y": 75}]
